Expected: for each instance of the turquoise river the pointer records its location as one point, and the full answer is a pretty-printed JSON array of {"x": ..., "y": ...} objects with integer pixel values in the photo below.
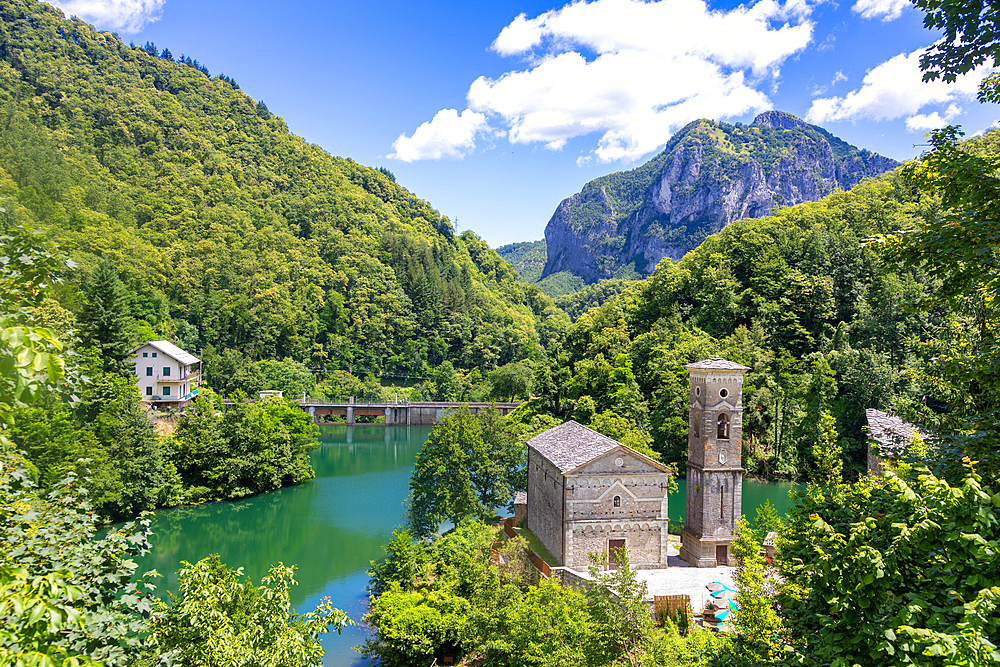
[{"x": 332, "y": 526}]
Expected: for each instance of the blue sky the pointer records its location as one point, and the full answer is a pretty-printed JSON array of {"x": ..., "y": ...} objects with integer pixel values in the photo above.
[{"x": 495, "y": 112}]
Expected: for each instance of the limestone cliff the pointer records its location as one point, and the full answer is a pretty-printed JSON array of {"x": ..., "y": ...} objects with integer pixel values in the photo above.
[{"x": 710, "y": 174}]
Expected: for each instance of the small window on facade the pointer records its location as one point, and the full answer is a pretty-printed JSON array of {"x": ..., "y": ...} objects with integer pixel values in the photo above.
[
  {"x": 166, "y": 390},
  {"x": 145, "y": 354},
  {"x": 154, "y": 355},
  {"x": 149, "y": 371},
  {"x": 149, "y": 391},
  {"x": 166, "y": 371},
  {"x": 697, "y": 424},
  {"x": 723, "y": 392},
  {"x": 618, "y": 501},
  {"x": 723, "y": 431}
]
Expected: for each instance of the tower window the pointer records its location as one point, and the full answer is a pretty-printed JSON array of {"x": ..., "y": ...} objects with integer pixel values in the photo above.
[
  {"x": 723, "y": 392},
  {"x": 697, "y": 424},
  {"x": 617, "y": 501},
  {"x": 723, "y": 430}
]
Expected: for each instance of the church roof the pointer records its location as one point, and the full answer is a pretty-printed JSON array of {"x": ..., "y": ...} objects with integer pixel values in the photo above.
[
  {"x": 570, "y": 445},
  {"x": 716, "y": 364},
  {"x": 891, "y": 433}
]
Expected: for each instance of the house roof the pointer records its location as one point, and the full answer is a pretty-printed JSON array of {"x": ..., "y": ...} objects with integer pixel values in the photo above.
[
  {"x": 891, "y": 433},
  {"x": 716, "y": 364},
  {"x": 571, "y": 445},
  {"x": 171, "y": 350}
]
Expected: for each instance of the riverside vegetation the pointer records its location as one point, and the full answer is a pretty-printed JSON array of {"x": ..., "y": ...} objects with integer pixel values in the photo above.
[{"x": 190, "y": 212}]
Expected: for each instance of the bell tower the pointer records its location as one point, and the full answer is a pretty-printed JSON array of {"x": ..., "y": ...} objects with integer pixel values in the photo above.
[{"x": 714, "y": 465}]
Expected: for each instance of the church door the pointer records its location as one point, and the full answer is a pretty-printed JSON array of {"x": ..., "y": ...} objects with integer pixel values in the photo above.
[
  {"x": 721, "y": 555},
  {"x": 613, "y": 554}
]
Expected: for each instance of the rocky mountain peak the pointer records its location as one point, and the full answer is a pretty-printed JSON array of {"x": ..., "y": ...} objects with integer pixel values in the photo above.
[
  {"x": 709, "y": 175},
  {"x": 779, "y": 119}
]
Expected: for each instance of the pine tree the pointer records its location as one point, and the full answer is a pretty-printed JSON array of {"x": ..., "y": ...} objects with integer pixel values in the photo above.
[{"x": 104, "y": 322}]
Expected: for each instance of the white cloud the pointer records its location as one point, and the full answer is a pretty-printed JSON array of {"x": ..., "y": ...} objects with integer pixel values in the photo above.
[
  {"x": 838, "y": 77},
  {"x": 894, "y": 90},
  {"x": 635, "y": 71},
  {"x": 120, "y": 15},
  {"x": 887, "y": 10},
  {"x": 448, "y": 135},
  {"x": 922, "y": 122}
]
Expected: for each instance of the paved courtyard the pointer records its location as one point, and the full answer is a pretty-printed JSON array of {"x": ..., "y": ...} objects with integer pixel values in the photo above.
[{"x": 682, "y": 579}]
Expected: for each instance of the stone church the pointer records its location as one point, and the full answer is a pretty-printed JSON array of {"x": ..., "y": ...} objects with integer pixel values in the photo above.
[{"x": 589, "y": 493}]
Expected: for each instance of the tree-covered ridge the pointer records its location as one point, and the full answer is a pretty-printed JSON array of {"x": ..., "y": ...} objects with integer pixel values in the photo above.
[
  {"x": 527, "y": 258},
  {"x": 227, "y": 229},
  {"x": 798, "y": 297}
]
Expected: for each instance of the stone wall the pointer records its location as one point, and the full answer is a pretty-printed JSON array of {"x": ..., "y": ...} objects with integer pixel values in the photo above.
[
  {"x": 640, "y": 497},
  {"x": 545, "y": 503},
  {"x": 644, "y": 541}
]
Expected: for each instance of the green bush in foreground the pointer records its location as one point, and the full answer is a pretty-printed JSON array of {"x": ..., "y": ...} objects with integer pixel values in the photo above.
[{"x": 444, "y": 597}]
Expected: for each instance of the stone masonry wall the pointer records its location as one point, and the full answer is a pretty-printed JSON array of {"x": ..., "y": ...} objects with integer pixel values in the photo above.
[
  {"x": 639, "y": 497},
  {"x": 642, "y": 539},
  {"x": 545, "y": 503}
]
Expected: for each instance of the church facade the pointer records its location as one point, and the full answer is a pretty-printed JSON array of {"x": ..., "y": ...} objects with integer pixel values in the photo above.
[{"x": 588, "y": 493}]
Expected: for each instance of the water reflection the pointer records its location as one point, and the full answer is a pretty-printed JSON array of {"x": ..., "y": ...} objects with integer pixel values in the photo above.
[{"x": 330, "y": 527}]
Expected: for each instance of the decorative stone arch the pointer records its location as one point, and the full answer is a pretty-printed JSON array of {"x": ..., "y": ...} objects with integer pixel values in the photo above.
[{"x": 722, "y": 426}]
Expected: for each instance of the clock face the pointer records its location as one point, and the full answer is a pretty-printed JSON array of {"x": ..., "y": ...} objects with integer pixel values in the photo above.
[{"x": 722, "y": 456}]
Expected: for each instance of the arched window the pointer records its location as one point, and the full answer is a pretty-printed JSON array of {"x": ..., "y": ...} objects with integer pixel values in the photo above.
[
  {"x": 617, "y": 501},
  {"x": 697, "y": 424},
  {"x": 723, "y": 432}
]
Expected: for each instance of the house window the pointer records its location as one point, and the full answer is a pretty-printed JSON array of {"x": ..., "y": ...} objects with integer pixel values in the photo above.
[
  {"x": 149, "y": 371},
  {"x": 166, "y": 390},
  {"x": 145, "y": 354},
  {"x": 154, "y": 355},
  {"x": 149, "y": 391},
  {"x": 166, "y": 371},
  {"x": 618, "y": 501},
  {"x": 723, "y": 430}
]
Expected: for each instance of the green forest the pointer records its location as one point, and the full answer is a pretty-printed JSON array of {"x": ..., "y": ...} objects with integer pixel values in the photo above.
[
  {"x": 230, "y": 232},
  {"x": 142, "y": 198}
]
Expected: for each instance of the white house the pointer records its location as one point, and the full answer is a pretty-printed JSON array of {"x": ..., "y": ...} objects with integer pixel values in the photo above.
[{"x": 165, "y": 373}]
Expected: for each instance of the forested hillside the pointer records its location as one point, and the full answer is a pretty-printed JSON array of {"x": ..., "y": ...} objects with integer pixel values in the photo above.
[
  {"x": 799, "y": 297},
  {"x": 229, "y": 231}
]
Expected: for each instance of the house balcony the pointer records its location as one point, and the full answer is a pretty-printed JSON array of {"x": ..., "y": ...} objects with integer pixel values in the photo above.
[
  {"x": 193, "y": 378},
  {"x": 191, "y": 395}
]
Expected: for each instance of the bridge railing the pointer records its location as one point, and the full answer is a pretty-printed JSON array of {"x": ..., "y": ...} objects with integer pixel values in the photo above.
[{"x": 358, "y": 400}]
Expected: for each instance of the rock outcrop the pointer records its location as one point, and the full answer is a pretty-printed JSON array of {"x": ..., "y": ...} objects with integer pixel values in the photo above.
[{"x": 709, "y": 175}]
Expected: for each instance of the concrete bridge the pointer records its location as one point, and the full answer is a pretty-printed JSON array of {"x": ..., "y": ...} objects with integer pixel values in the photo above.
[{"x": 396, "y": 414}]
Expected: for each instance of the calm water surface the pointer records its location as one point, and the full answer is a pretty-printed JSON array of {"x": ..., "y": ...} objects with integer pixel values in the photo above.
[{"x": 331, "y": 526}]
